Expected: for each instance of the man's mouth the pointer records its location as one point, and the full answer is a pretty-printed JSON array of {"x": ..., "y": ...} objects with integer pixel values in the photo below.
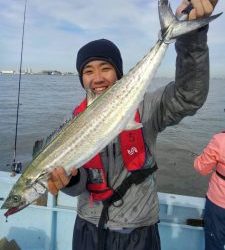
[{"x": 99, "y": 90}]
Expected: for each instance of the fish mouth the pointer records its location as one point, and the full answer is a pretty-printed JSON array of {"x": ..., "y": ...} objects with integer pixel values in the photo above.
[{"x": 14, "y": 210}]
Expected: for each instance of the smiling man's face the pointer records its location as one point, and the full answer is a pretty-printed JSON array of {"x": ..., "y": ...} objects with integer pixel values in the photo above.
[{"x": 98, "y": 76}]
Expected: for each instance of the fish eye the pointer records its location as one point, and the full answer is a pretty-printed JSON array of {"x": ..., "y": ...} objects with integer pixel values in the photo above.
[{"x": 16, "y": 198}]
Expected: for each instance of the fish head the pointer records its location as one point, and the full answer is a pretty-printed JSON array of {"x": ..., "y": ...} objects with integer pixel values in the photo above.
[{"x": 23, "y": 193}]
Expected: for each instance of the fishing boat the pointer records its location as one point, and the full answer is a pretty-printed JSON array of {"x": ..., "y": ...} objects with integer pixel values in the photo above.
[{"x": 50, "y": 226}]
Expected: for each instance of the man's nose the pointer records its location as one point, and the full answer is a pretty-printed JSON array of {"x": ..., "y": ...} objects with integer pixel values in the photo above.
[{"x": 98, "y": 77}]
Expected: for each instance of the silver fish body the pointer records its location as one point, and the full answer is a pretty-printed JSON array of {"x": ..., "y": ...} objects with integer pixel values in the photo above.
[{"x": 84, "y": 136}]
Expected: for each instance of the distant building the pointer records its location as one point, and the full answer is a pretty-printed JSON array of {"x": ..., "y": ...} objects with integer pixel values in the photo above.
[
  {"x": 51, "y": 72},
  {"x": 28, "y": 71},
  {"x": 55, "y": 72},
  {"x": 11, "y": 72}
]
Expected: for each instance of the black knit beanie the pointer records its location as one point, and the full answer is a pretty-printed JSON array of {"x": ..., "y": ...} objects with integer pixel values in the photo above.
[{"x": 101, "y": 49}]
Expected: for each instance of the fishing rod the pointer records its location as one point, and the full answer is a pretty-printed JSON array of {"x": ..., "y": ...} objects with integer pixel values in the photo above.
[{"x": 17, "y": 166}]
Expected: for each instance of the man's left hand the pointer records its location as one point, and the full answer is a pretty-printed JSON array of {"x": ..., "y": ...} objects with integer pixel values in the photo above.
[{"x": 201, "y": 8}]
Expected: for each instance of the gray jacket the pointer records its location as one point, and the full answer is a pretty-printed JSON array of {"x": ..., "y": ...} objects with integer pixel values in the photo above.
[{"x": 164, "y": 107}]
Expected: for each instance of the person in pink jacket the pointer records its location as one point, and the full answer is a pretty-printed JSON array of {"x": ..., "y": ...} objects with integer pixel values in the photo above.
[{"x": 212, "y": 161}]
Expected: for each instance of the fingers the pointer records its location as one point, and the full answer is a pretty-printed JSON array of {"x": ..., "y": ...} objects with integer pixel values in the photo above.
[
  {"x": 74, "y": 171},
  {"x": 198, "y": 10},
  {"x": 52, "y": 188},
  {"x": 214, "y": 2},
  {"x": 59, "y": 179},
  {"x": 201, "y": 8},
  {"x": 208, "y": 7},
  {"x": 181, "y": 7}
]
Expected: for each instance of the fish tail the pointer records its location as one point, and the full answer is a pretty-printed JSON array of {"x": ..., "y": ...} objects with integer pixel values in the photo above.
[{"x": 179, "y": 27}]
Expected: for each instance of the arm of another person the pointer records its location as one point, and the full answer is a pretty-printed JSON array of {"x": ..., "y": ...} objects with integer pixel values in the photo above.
[{"x": 208, "y": 159}]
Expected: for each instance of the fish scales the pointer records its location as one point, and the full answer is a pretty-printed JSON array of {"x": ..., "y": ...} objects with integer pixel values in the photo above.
[{"x": 87, "y": 134}]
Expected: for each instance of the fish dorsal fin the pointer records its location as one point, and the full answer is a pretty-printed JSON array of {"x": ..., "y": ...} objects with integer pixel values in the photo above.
[
  {"x": 40, "y": 145},
  {"x": 133, "y": 125}
]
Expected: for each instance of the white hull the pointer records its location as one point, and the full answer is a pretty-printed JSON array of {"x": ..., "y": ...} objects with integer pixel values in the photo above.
[{"x": 51, "y": 227}]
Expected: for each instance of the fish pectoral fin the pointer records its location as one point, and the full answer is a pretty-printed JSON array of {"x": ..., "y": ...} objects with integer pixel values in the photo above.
[
  {"x": 133, "y": 125},
  {"x": 44, "y": 175}
]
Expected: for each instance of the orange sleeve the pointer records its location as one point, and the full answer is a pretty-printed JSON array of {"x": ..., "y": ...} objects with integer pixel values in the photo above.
[{"x": 207, "y": 160}]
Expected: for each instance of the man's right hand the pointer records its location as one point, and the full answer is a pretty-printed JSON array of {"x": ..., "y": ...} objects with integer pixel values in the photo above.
[{"x": 59, "y": 179}]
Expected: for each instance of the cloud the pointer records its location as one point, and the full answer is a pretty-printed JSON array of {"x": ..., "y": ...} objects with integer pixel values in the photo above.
[{"x": 55, "y": 30}]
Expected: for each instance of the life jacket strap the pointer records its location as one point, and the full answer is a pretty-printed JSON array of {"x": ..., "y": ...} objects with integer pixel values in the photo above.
[{"x": 136, "y": 177}]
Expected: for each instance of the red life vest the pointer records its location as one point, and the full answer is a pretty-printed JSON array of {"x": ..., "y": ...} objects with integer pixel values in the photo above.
[{"x": 133, "y": 153}]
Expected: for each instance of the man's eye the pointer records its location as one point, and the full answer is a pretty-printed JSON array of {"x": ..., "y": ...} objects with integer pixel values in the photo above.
[
  {"x": 87, "y": 72},
  {"x": 106, "y": 68}
]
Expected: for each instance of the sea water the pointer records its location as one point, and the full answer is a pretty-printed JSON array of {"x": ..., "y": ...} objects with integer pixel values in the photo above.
[{"x": 46, "y": 101}]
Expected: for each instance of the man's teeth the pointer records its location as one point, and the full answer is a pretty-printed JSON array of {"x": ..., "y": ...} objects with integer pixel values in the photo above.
[{"x": 100, "y": 89}]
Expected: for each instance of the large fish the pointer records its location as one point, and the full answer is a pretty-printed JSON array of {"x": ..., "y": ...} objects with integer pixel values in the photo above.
[{"x": 110, "y": 113}]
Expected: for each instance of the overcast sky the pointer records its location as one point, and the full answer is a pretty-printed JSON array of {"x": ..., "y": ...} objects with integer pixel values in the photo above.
[{"x": 56, "y": 29}]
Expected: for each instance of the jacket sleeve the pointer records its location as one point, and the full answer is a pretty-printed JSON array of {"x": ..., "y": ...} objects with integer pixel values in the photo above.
[
  {"x": 77, "y": 184},
  {"x": 209, "y": 158},
  {"x": 188, "y": 92}
]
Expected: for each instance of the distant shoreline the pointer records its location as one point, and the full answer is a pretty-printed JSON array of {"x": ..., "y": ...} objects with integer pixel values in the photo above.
[
  {"x": 76, "y": 74},
  {"x": 41, "y": 73}
]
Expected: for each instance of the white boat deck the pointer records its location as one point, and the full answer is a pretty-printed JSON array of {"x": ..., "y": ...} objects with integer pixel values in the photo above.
[{"x": 51, "y": 227}]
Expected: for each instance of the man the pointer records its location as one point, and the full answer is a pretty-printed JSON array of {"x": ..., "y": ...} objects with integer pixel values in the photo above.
[{"x": 131, "y": 222}]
